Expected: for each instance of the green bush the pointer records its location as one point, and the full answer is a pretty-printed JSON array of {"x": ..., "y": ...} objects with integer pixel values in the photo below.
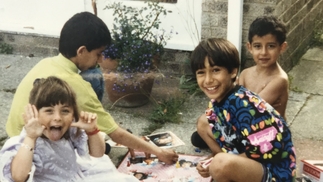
[
  {"x": 317, "y": 38},
  {"x": 189, "y": 83},
  {"x": 167, "y": 111},
  {"x": 5, "y": 48}
]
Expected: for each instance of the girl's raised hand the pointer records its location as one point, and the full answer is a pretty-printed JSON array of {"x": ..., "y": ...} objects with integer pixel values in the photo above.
[
  {"x": 87, "y": 121},
  {"x": 33, "y": 127}
]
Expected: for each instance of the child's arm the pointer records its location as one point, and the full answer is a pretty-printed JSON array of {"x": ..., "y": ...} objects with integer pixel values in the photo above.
[
  {"x": 96, "y": 144},
  {"x": 274, "y": 93},
  {"x": 88, "y": 122},
  {"x": 125, "y": 138},
  {"x": 241, "y": 77},
  {"x": 205, "y": 131},
  {"x": 273, "y": 90},
  {"x": 270, "y": 92},
  {"x": 22, "y": 162}
]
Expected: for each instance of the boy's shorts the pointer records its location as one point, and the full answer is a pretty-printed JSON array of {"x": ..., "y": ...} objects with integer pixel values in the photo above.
[{"x": 267, "y": 177}]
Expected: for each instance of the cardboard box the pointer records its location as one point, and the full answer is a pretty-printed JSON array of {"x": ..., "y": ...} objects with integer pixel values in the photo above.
[{"x": 312, "y": 169}]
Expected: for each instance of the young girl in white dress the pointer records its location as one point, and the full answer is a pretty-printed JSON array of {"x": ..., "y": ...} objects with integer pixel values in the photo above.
[{"x": 57, "y": 142}]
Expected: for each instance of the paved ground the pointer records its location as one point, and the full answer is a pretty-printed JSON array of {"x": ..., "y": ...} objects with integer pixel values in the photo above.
[{"x": 304, "y": 110}]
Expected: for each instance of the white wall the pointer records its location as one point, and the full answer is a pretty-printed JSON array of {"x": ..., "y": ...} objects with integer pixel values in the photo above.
[
  {"x": 234, "y": 28},
  {"x": 37, "y": 16},
  {"x": 46, "y": 17}
]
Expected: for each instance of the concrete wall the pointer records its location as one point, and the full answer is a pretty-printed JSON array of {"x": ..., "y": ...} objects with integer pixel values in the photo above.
[
  {"x": 47, "y": 17},
  {"x": 300, "y": 16},
  {"x": 30, "y": 44}
]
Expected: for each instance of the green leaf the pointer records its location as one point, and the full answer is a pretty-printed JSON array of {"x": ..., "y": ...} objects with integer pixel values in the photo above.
[{"x": 134, "y": 33}]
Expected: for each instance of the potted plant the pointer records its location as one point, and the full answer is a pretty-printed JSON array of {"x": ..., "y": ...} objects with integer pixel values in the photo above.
[{"x": 137, "y": 46}]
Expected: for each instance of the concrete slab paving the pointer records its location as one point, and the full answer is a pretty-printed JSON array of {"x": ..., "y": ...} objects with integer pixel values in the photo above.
[
  {"x": 308, "y": 123},
  {"x": 13, "y": 69},
  {"x": 296, "y": 101},
  {"x": 307, "y": 75},
  {"x": 5, "y": 103},
  {"x": 310, "y": 149},
  {"x": 304, "y": 109},
  {"x": 314, "y": 54}
]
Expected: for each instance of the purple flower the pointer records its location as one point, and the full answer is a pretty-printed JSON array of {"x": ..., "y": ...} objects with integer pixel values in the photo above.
[{"x": 132, "y": 45}]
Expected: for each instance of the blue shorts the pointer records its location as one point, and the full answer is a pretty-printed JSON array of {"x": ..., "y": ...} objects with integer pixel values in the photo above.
[
  {"x": 95, "y": 78},
  {"x": 267, "y": 177}
]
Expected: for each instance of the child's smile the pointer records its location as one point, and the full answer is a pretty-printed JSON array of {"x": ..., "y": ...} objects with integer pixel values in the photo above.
[
  {"x": 211, "y": 90},
  {"x": 57, "y": 119},
  {"x": 215, "y": 81},
  {"x": 265, "y": 50}
]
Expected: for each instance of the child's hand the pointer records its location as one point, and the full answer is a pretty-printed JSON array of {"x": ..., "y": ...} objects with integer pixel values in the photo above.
[
  {"x": 33, "y": 127},
  {"x": 87, "y": 121},
  {"x": 168, "y": 156},
  {"x": 204, "y": 172},
  {"x": 205, "y": 163}
]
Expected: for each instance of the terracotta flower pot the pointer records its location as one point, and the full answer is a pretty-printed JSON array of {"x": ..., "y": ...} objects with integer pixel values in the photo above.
[{"x": 128, "y": 90}]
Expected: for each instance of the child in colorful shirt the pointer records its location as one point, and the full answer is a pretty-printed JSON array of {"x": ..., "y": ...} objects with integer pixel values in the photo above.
[
  {"x": 266, "y": 42},
  {"x": 251, "y": 140}
]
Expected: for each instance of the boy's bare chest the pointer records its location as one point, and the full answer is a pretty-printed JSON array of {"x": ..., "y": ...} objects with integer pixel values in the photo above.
[{"x": 256, "y": 83}]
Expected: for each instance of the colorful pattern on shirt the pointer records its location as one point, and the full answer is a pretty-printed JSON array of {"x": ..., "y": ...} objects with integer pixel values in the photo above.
[{"x": 244, "y": 123}]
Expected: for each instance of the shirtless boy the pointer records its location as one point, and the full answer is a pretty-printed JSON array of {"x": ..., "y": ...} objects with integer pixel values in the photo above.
[{"x": 266, "y": 41}]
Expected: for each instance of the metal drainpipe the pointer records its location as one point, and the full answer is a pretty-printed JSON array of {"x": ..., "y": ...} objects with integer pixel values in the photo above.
[{"x": 234, "y": 28}]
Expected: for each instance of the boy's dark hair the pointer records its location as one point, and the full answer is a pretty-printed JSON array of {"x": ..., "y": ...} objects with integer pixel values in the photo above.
[
  {"x": 83, "y": 29},
  {"x": 220, "y": 52},
  {"x": 267, "y": 25}
]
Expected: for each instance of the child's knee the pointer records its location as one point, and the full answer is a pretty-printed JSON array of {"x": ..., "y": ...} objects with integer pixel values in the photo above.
[{"x": 220, "y": 166}]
